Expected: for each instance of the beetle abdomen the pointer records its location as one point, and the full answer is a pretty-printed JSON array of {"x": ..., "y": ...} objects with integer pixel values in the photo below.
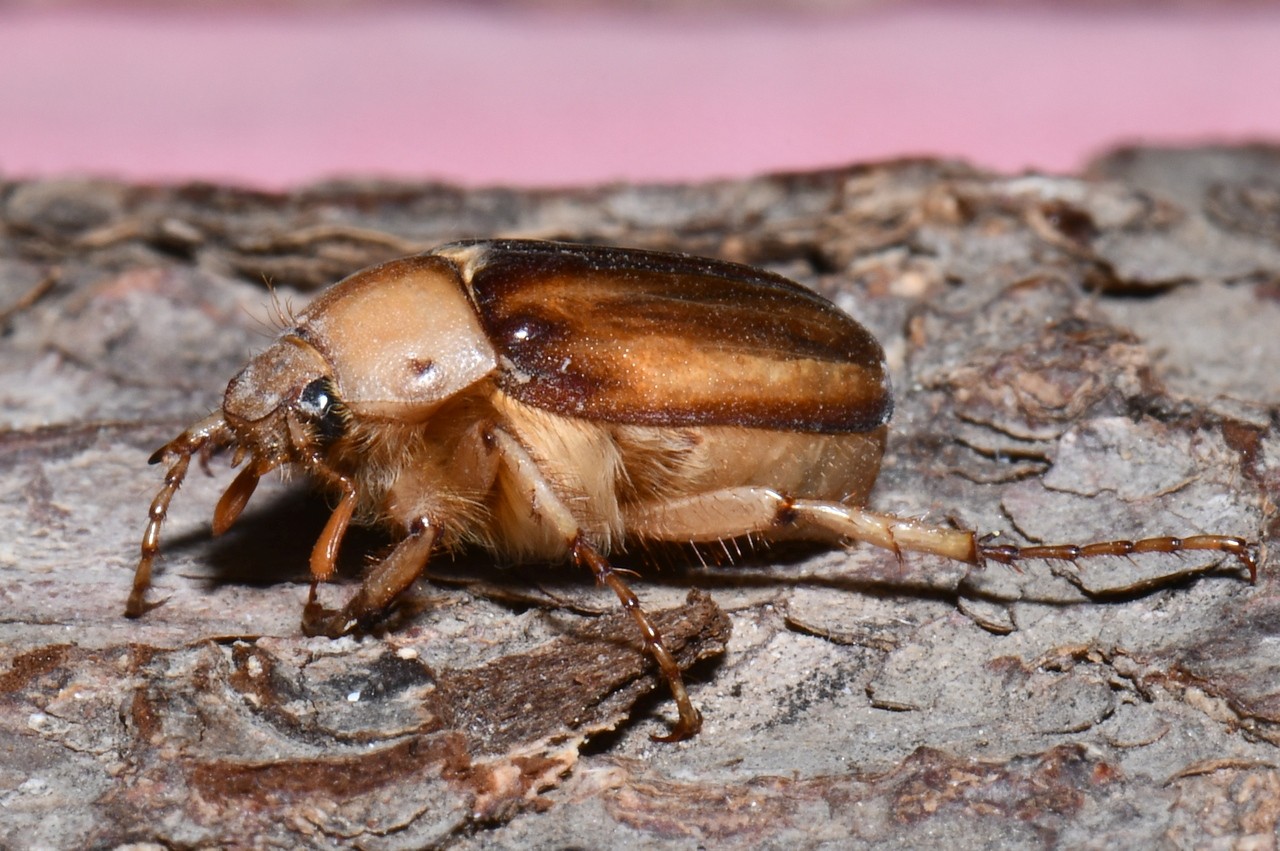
[{"x": 647, "y": 338}]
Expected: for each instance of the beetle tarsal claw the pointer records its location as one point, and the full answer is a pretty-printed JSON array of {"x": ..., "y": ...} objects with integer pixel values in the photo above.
[
  {"x": 685, "y": 728},
  {"x": 329, "y": 623},
  {"x": 137, "y": 605},
  {"x": 320, "y": 621}
]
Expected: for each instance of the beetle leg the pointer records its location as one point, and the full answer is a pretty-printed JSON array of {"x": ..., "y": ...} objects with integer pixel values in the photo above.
[
  {"x": 690, "y": 718},
  {"x": 205, "y": 437},
  {"x": 1243, "y": 551},
  {"x": 735, "y": 512},
  {"x": 137, "y": 604},
  {"x": 548, "y": 506},
  {"x": 742, "y": 511},
  {"x": 324, "y": 556},
  {"x": 388, "y": 579}
]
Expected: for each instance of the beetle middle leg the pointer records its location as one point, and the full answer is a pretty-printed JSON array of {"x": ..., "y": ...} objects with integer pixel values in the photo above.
[
  {"x": 381, "y": 587},
  {"x": 548, "y": 508},
  {"x": 690, "y": 719}
]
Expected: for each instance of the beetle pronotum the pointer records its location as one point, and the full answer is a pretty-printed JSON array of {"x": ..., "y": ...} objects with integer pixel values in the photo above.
[{"x": 549, "y": 401}]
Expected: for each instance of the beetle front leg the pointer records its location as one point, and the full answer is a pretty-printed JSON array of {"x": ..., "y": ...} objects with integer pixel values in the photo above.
[
  {"x": 388, "y": 579},
  {"x": 137, "y": 604},
  {"x": 205, "y": 437}
]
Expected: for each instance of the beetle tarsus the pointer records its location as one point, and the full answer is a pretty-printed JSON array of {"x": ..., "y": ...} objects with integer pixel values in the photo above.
[
  {"x": 330, "y": 623},
  {"x": 383, "y": 585},
  {"x": 685, "y": 728},
  {"x": 690, "y": 721},
  {"x": 1009, "y": 554}
]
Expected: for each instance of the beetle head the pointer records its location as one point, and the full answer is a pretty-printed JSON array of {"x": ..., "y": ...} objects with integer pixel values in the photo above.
[{"x": 282, "y": 405}]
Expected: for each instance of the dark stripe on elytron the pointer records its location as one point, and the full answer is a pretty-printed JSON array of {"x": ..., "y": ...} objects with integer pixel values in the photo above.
[
  {"x": 814, "y": 417},
  {"x": 509, "y": 260},
  {"x": 717, "y": 312},
  {"x": 615, "y": 257}
]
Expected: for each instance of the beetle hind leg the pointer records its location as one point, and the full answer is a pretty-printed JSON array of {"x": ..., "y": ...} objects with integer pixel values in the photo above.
[
  {"x": 756, "y": 511},
  {"x": 738, "y": 512},
  {"x": 1239, "y": 548}
]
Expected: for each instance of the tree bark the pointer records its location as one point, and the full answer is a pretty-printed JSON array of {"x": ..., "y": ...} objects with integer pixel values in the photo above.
[{"x": 1075, "y": 359}]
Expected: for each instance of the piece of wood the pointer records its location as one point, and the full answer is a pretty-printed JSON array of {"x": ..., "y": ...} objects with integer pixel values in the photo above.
[{"x": 1074, "y": 359}]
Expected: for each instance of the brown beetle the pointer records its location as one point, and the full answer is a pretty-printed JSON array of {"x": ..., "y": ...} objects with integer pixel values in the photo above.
[{"x": 547, "y": 401}]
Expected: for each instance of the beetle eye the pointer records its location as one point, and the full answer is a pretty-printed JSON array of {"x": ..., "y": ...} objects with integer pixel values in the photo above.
[{"x": 320, "y": 404}]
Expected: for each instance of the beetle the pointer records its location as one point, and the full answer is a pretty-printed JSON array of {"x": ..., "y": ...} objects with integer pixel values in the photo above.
[{"x": 549, "y": 401}]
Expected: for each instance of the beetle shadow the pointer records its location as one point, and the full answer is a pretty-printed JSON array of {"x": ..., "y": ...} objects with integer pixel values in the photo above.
[
  {"x": 270, "y": 544},
  {"x": 563, "y": 586},
  {"x": 765, "y": 567},
  {"x": 910, "y": 582}
]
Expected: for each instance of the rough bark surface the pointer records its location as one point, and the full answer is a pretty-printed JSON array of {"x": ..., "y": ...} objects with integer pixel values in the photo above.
[{"x": 1076, "y": 359}]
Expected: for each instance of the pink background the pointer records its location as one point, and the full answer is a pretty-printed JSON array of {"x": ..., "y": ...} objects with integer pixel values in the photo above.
[{"x": 285, "y": 96}]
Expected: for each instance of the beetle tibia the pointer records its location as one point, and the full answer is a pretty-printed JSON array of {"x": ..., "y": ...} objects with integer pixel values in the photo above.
[{"x": 235, "y": 498}]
